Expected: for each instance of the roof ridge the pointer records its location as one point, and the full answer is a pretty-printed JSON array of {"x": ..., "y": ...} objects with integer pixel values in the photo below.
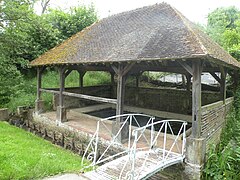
[{"x": 204, "y": 49}]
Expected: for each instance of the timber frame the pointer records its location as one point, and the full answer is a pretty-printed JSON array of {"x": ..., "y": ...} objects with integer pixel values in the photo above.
[{"x": 189, "y": 68}]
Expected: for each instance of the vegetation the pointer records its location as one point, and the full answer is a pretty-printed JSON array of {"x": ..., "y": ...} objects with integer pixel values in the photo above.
[
  {"x": 224, "y": 27},
  {"x": 26, "y": 156},
  {"x": 26, "y": 94},
  {"x": 224, "y": 159},
  {"x": 24, "y": 36}
]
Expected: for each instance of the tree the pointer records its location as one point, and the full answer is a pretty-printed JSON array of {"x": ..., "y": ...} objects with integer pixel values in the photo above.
[
  {"x": 69, "y": 23},
  {"x": 224, "y": 27},
  {"x": 25, "y": 35}
]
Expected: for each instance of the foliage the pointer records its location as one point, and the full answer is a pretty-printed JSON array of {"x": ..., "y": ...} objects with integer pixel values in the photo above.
[
  {"x": 25, "y": 35},
  {"x": 9, "y": 78},
  {"x": 26, "y": 156},
  {"x": 224, "y": 159},
  {"x": 69, "y": 23},
  {"x": 224, "y": 27}
]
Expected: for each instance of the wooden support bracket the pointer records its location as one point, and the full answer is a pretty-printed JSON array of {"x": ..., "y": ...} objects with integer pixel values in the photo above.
[
  {"x": 186, "y": 67},
  {"x": 216, "y": 77}
]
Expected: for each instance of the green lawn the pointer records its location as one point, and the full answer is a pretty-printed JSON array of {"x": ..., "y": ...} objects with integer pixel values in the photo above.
[{"x": 26, "y": 156}]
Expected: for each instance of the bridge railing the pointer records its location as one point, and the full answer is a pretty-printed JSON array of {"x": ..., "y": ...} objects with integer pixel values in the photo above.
[
  {"x": 164, "y": 144},
  {"x": 104, "y": 132}
]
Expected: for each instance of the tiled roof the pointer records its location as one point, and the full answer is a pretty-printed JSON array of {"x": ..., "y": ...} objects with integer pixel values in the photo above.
[{"x": 157, "y": 32}]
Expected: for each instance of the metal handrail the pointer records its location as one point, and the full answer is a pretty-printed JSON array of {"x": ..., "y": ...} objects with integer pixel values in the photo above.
[
  {"x": 165, "y": 153},
  {"x": 93, "y": 144}
]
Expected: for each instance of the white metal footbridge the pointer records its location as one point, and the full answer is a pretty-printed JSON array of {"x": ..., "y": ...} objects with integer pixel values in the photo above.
[{"x": 145, "y": 152}]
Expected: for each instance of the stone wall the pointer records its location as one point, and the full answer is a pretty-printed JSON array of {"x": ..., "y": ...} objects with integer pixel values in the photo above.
[
  {"x": 170, "y": 100},
  {"x": 213, "y": 120}
]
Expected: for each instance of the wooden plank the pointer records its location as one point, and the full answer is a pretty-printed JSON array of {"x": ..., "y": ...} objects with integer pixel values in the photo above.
[
  {"x": 154, "y": 163},
  {"x": 196, "y": 99},
  {"x": 93, "y": 98}
]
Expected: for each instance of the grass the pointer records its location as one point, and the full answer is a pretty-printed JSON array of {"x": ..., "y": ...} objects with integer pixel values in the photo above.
[{"x": 26, "y": 156}]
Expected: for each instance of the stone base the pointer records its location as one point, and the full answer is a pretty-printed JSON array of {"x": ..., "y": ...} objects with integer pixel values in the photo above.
[
  {"x": 4, "y": 114},
  {"x": 61, "y": 114},
  {"x": 39, "y": 106},
  {"x": 123, "y": 135},
  {"x": 195, "y": 151},
  {"x": 193, "y": 171}
]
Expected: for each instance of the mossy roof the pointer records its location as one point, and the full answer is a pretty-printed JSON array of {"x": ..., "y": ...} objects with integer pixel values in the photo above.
[{"x": 157, "y": 32}]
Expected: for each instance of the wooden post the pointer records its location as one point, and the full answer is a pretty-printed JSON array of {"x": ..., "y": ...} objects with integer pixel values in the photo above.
[
  {"x": 137, "y": 89},
  {"x": 196, "y": 99},
  {"x": 121, "y": 72},
  {"x": 61, "y": 111},
  {"x": 39, "y": 103},
  {"x": 112, "y": 84},
  {"x": 39, "y": 83},
  {"x": 188, "y": 77},
  {"x": 120, "y": 90},
  {"x": 81, "y": 75},
  {"x": 223, "y": 85}
]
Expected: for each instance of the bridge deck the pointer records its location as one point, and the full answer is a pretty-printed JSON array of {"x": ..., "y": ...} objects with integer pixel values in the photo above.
[{"x": 153, "y": 164}]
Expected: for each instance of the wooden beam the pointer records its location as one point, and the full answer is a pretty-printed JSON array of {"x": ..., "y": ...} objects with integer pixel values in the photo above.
[
  {"x": 82, "y": 96},
  {"x": 196, "y": 99},
  {"x": 216, "y": 77},
  {"x": 121, "y": 72},
  {"x": 93, "y": 98},
  {"x": 89, "y": 68},
  {"x": 186, "y": 67}
]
